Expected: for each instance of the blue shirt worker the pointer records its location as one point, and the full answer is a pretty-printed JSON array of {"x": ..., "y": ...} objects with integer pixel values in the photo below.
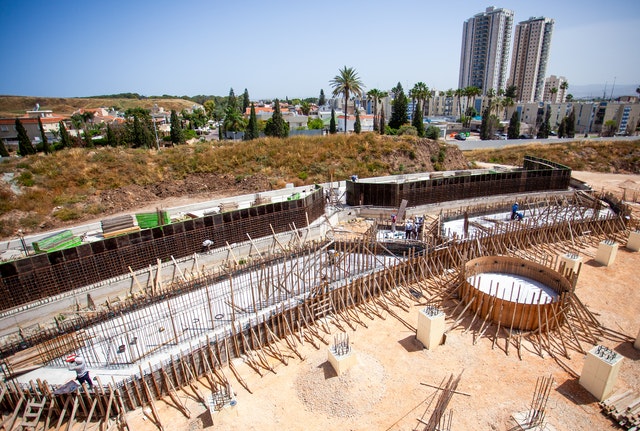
[
  {"x": 76, "y": 363},
  {"x": 408, "y": 229},
  {"x": 514, "y": 211}
]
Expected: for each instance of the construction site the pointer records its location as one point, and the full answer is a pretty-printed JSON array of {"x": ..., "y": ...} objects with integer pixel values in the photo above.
[{"x": 318, "y": 308}]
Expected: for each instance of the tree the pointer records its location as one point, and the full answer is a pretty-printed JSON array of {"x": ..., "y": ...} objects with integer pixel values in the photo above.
[
  {"x": 45, "y": 142},
  {"x": 315, "y": 124},
  {"x": 569, "y": 97},
  {"x": 111, "y": 139},
  {"x": 553, "y": 93},
  {"x": 399, "y": 112},
  {"x": 432, "y": 132},
  {"x": 382, "y": 120},
  {"x": 562, "y": 132},
  {"x": 357, "y": 127},
  {"x": 511, "y": 92},
  {"x": 459, "y": 93},
  {"x": 25, "y": 147},
  {"x": 332, "y": 122},
  {"x": 485, "y": 129},
  {"x": 609, "y": 128},
  {"x": 232, "y": 102},
  {"x": 570, "y": 126},
  {"x": 513, "y": 131},
  {"x": 346, "y": 82},
  {"x": 140, "y": 134},
  {"x": 506, "y": 103},
  {"x": 276, "y": 126},
  {"x": 252, "y": 128},
  {"x": 210, "y": 108},
  {"x": 65, "y": 139},
  {"x": 88, "y": 140},
  {"x": 322, "y": 100},
  {"x": 245, "y": 101},
  {"x": 376, "y": 95},
  {"x": 176, "y": 135},
  {"x": 305, "y": 107},
  {"x": 3, "y": 149},
  {"x": 417, "y": 120},
  {"x": 421, "y": 93},
  {"x": 233, "y": 120},
  {"x": 543, "y": 132},
  {"x": 564, "y": 87}
]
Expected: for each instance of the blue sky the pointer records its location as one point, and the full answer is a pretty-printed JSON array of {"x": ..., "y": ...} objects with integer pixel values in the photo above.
[{"x": 283, "y": 49}]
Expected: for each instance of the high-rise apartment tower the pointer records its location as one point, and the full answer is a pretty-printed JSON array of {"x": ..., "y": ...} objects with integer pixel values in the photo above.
[
  {"x": 531, "y": 44},
  {"x": 486, "y": 40}
]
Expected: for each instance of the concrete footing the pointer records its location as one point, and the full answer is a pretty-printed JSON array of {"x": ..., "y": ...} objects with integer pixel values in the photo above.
[
  {"x": 571, "y": 261},
  {"x": 430, "y": 330},
  {"x": 606, "y": 253},
  {"x": 633, "y": 243},
  {"x": 341, "y": 363},
  {"x": 600, "y": 371}
]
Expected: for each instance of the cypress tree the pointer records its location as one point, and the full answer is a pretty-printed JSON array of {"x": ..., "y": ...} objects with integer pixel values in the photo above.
[
  {"x": 382, "y": 120},
  {"x": 485, "y": 129},
  {"x": 231, "y": 100},
  {"x": 357, "y": 127},
  {"x": 513, "y": 131},
  {"x": 570, "y": 127},
  {"x": 3, "y": 149},
  {"x": 322, "y": 100},
  {"x": 45, "y": 142},
  {"x": 417, "y": 120},
  {"x": 111, "y": 137},
  {"x": 65, "y": 139},
  {"x": 24, "y": 142},
  {"x": 176, "y": 133},
  {"x": 400, "y": 103},
  {"x": 543, "y": 133},
  {"x": 276, "y": 126},
  {"x": 332, "y": 122},
  {"x": 245, "y": 101},
  {"x": 87, "y": 137},
  {"x": 562, "y": 130},
  {"x": 252, "y": 128}
]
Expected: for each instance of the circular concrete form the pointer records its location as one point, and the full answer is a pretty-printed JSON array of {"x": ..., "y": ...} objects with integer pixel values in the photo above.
[{"x": 516, "y": 293}]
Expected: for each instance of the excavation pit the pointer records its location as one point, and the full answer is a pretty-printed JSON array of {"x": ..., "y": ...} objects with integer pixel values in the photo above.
[{"x": 514, "y": 293}]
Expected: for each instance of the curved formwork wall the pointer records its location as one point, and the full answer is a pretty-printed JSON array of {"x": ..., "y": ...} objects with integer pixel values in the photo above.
[
  {"x": 512, "y": 314},
  {"x": 45, "y": 275},
  {"x": 536, "y": 175}
]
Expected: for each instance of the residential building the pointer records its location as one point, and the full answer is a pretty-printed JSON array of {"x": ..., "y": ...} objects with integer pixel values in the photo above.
[
  {"x": 531, "y": 44},
  {"x": 560, "y": 93},
  {"x": 484, "y": 57},
  {"x": 50, "y": 124}
]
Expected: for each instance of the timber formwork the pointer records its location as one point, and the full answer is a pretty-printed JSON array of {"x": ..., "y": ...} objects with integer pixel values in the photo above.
[
  {"x": 430, "y": 276},
  {"x": 46, "y": 275},
  {"x": 536, "y": 175}
]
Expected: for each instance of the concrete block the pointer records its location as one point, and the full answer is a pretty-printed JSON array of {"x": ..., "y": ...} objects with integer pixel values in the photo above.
[
  {"x": 633, "y": 243},
  {"x": 600, "y": 372},
  {"x": 571, "y": 261},
  {"x": 606, "y": 253},
  {"x": 341, "y": 363},
  {"x": 430, "y": 330}
]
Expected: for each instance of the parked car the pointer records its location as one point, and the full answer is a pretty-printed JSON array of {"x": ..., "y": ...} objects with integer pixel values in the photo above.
[
  {"x": 460, "y": 137},
  {"x": 526, "y": 136},
  {"x": 501, "y": 135}
]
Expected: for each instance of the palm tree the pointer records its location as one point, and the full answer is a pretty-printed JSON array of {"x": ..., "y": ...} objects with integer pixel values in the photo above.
[
  {"x": 553, "y": 92},
  {"x": 421, "y": 92},
  {"x": 459, "y": 92},
  {"x": 376, "y": 95},
  {"x": 473, "y": 92},
  {"x": 506, "y": 103},
  {"x": 346, "y": 82},
  {"x": 491, "y": 93},
  {"x": 564, "y": 86}
]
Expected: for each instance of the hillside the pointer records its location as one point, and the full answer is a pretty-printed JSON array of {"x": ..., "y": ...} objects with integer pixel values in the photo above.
[
  {"x": 14, "y": 106},
  {"x": 44, "y": 192}
]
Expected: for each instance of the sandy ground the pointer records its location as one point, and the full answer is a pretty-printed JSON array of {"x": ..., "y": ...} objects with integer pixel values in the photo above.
[{"x": 388, "y": 387}]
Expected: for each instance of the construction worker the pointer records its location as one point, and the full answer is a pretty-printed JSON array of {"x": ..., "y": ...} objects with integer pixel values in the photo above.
[
  {"x": 76, "y": 363},
  {"x": 514, "y": 211},
  {"x": 393, "y": 222},
  {"x": 206, "y": 245},
  {"x": 408, "y": 229}
]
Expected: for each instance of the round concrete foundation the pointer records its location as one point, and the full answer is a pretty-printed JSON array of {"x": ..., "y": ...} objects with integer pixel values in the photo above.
[{"x": 516, "y": 293}]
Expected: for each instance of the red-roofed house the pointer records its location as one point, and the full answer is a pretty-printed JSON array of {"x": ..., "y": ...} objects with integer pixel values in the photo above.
[{"x": 50, "y": 124}]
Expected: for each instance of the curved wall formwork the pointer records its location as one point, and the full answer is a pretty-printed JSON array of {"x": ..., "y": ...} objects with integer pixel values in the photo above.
[
  {"x": 540, "y": 312},
  {"x": 536, "y": 175}
]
